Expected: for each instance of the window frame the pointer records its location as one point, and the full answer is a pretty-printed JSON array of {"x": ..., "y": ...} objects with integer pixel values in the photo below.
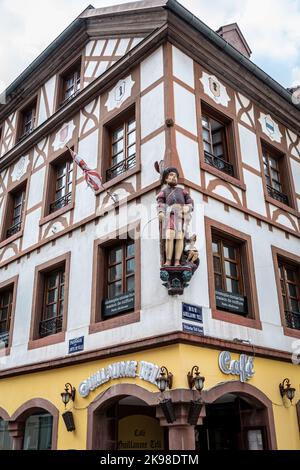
[
  {"x": 50, "y": 188},
  {"x": 284, "y": 170},
  {"x": 74, "y": 67},
  {"x": 98, "y": 291},
  {"x": 232, "y": 140},
  {"x": 41, "y": 271},
  {"x": 278, "y": 255},
  {"x": 252, "y": 319},
  {"x": 113, "y": 121},
  {"x": 8, "y": 213},
  {"x": 32, "y": 105},
  {"x": 11, "y": 283}
]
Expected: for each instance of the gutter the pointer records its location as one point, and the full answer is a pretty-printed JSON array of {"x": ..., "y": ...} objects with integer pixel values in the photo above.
[{"x": 210, "y": 34}]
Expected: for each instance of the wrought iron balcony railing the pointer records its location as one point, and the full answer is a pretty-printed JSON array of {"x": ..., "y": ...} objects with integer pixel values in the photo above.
[
  {"x": 13, "y": 230},
  {"x": 50, "y": 326},
  {"x": 4, "y": 337},
  {"x": 121, "y": 167},
  {"x": 219, "y": 163},
  {"x": 61, "y": 202},
  {"x": 69, "y": 98},
  {"x": 292, "y": 319},
  {"x": 277, "y": 195}
]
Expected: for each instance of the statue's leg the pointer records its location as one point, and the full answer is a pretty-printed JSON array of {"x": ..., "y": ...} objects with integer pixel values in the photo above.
[
  {"x": 178, "y": 248},
  {"x": 170, "y": 235}
]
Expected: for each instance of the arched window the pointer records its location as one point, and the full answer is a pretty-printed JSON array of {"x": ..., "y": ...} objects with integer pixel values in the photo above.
[
  {"x": 38, "y": 432},
  {"x": 5, "y": 439}
]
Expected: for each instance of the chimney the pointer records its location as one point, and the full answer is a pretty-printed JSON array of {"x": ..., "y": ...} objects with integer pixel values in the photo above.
[{"x": 234, "y": 36}]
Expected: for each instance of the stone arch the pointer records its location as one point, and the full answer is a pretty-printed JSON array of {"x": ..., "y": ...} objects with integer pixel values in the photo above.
[
  {"x": 33, "y": 405},
  {"x": 107, "y": 397},
  {"x": 4, "y": 415},
  {"x": 259, "y": 398}
]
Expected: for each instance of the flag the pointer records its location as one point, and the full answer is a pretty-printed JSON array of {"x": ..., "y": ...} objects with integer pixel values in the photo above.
[{"x": 92, "y": 177}]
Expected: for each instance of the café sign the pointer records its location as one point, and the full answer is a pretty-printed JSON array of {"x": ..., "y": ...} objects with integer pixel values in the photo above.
[
  {"x": 132, "y": 369},
  {"x": 242, "y": 367}
]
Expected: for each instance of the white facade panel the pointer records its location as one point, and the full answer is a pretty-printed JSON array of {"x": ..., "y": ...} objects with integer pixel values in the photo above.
[
  {"x": 185, "y": 109},
  {"x": 152, "y": 69},
  {"x": 183, "y": 67},
  {"x": 152, "y": 111}
]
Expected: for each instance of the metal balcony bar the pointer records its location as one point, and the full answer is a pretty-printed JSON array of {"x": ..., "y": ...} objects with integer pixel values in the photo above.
[
  {"x": 218, "y": 163},
  {"x": 13, "y": 230},
  {"x": 292, "y": 319},
  {"x": 61, "y": 202},
  {"x": 121, "y": 167},
  {"x": 277, "y": 195},
  {"x": 66, "y": 100},
  {"x": 50, "y": 326}
]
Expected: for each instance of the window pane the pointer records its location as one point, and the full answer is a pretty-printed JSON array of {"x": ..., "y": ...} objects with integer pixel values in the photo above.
[
  {"x": 52, "y": 296},
  {"x": 38, "y": 432},
  {"x": 217, "y": 264},
  {"x": 5, "y": 438},
  {"x": 232, "y": 286},
  {"x": 290, "y": 274},
  {"x": 115, "y": 272},
  {"x": 61, "y": 308},
  {"x": 131, "y": 151},
  {"x": 118, "y": 134},
  {"x": 52, "y": 280},
  {"x": 118, "y": 147},
  {"x": 118, "y": 158},
  {"x": 277, "y": 186},
  {"x": 206, "y": 135},
  {"x": 229, "y": 252},
  {"x": 218, "y": 150},
  {"x": 273, "y": 163},
  {"x": 207, "y": 147},
  {"x": 131, "y": 138},
  {"x": 295, "y": 305},
  {"x": 131, "y": 125},
  {"x": 205, "y": 122},
  {"x": 275, "y": 175},
  {"x": 115, "y": 255},
  {"x": 130, "y": 266},
  {"x": 215, "y": 247},
  {"x": 51, "y": 311},
  {"x": 130, "y": 250},
  {"x": 230, "y": 269},
  {"x": 292, "y": 290},
  {"x": 130, "y": 284},
  {"x": 114, "y": 289},
  {"x": 218, "y": 282}
]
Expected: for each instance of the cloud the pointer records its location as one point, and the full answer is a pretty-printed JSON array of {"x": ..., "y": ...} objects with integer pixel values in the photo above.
[
  {"x": 271, "y": 28},
  {"x": 296, "y": 76}
]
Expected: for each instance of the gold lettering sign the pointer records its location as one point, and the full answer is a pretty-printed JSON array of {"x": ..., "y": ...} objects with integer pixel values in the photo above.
[{"x": 140, "y": 432}]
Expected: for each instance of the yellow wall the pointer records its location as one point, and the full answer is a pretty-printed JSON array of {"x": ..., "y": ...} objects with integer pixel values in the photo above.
[{"x": 179, "y": 359}]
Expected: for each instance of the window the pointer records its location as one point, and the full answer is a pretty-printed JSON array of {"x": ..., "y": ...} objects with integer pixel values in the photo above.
[
  {"x": 14, "y": 212},
  {"x": 5, "y": 438},
  {"x": 27, "y": 120},
  {"x": 228, "y": 276},
  {"x": 217, "y": 141},
  {"x": 38, "y": 432},
  {"x": 61, "y": 176},
  {"x": 6, "y": 302},
  {"x": 290, "y": 291},
  {"x": 122, "y": 147},
  {"x": 50, "y": 302},
  {"x": 120, "y": 279},
  {"x": 70, "y": 83},
  {"x": 53, "y": 307},
  {"x": 274, "y": 173}
]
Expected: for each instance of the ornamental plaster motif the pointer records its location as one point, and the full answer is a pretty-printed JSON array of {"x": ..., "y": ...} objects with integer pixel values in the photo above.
[
  {"x": 270, "y": 127},
  {"x": 119, "y": 93},
  {"x": 64, "y": 135},
  {"x": 20, "y": 168},
  {"x": 215, "y": 89}
]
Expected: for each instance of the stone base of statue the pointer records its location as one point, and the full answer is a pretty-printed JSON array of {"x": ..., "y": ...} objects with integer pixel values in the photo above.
[{"x": 176, "y": 278}]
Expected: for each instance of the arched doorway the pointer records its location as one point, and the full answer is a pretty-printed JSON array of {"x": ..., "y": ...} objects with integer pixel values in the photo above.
[
  {"x": 238, "y": 417},
  {"x": 124, "y": 418}
]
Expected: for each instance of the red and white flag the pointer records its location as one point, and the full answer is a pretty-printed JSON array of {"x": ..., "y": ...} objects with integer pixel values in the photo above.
[{"x": 92, "y": 177}]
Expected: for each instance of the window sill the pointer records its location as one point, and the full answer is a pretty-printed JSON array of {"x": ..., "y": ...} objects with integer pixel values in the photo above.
[
  {"x": 56, "y": 214},
  {"x": 119, "y": 178},
  {"x": 236, "y": 319},
  {"x": 224, "y": 176},
  {"x": 47, "y": 341},
  {"x": 115, "y": 322},
  {"x": 291, "y": 332},
  {"x": 282, "y": 206},
  {"x": 11, "y": 239}
]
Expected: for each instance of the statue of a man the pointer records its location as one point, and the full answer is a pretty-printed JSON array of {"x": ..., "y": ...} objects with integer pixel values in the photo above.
[{"x": 174, "y": 208}]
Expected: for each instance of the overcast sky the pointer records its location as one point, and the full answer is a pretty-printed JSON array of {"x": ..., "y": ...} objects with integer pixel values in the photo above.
[{"x": 271, "y": 27}]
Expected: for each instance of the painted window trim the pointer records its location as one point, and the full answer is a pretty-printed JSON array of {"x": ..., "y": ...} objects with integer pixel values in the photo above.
[
  {"x": 294, "y": 259},
  {"x": 97, "y": 323},
  {"x": 251, "y": 292},
  {"x": 12, "y": 282}
]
